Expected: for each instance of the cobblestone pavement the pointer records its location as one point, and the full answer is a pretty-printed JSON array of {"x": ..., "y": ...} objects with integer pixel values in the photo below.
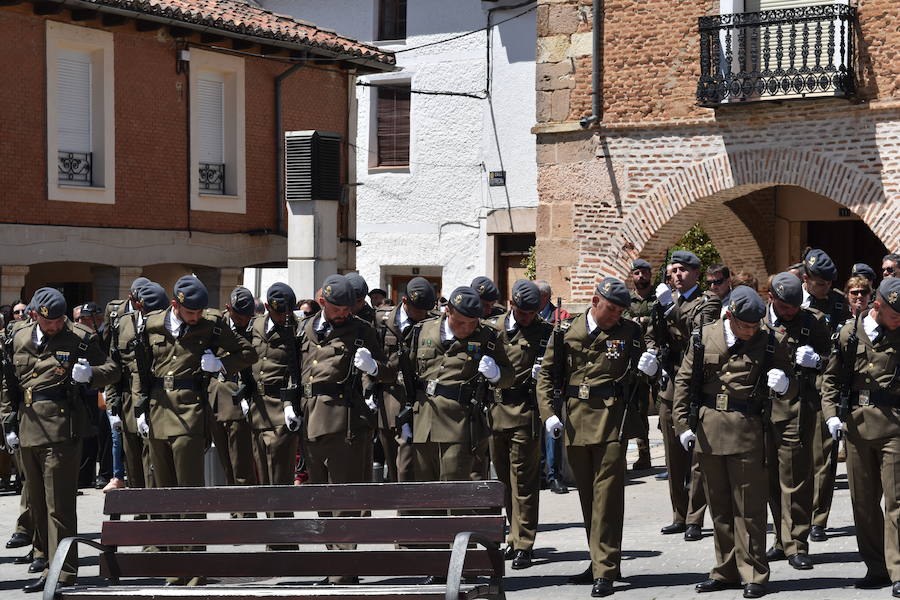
[{"x": 654, "y": 566}]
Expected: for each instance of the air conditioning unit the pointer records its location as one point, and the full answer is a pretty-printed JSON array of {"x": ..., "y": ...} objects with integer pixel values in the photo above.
[{"x": 312, "y": 165}]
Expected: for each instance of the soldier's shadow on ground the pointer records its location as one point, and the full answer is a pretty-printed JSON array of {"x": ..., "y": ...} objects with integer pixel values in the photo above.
[
  {"x": 813, "y": 583},
  {"x": 836, "y": 532},
  {"x": 558, "y": 526},
  {"x": 652, "y": 580},
  {"x": 836, "y": 557}
]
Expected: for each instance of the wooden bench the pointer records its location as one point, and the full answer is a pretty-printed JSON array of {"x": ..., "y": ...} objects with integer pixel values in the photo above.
[{"x": 121, "y": 541}]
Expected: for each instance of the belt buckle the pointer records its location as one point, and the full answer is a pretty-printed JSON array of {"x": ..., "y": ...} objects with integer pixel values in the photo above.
[
  {"x": 498, "y": 396},
  {"x": 431, "y": 388},
  {"x": 307, "y": 390},
  {"x": 864, "y": 398},
  {"x": 28, "y": 396},
  {"x": 169, "y": 382},
  {"x": 584, "y": 391},
  {"x": 721, "y": 401},
  {"x": 400, "y": 377}
]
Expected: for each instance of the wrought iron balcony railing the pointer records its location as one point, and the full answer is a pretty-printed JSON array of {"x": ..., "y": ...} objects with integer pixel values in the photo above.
[
  {"x": 777, "y": 54},
  {"x": 212, "y": 178},
  {"x": 75, "y": 168}
]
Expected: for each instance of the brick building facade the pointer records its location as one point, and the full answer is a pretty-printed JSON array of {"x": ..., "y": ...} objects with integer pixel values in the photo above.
[
  {"x": 764, "y": 173},
  {"x": 144, "y": 211}
]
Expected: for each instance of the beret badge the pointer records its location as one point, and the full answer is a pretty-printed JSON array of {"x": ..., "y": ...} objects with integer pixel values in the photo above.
[
  {"x": 780, "y": 289},
  {"x": 481, "y": 289},
  {"x": 327, "y": 290},
  {"x": 606, "y": 286},
  {"x": 892, "y": 297},
  {"x": 414, "y": 295},
  {"x": 181, "y": 297},
  {"x": 457, "y": 299},
  {"x": 811, "y": 261},
  {"x": 732, "y": 307},
  {"x": 45, "y": 311}
]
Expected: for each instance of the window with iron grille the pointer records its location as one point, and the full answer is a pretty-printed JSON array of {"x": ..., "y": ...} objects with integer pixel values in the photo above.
[
  {"x": 392, "y": 19},
  {"x": 211, "y": 127},
  {"x": 74, "y": 71},
  {"x": 393, "y": 125}
]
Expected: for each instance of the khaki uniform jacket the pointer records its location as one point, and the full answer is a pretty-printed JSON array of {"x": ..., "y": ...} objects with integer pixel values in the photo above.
[
  {"x": 641, "y": 309},
  {"x": 724, "y": 432},
  {"x": 393, "y": 392},
  {"x": 834, "y": 306},
  {"x": 875, "y": 368},
  {"x": 437, "y": 418},
  {"x": 222, "y": 388},
  {"x": 517, "y": 405},
  {"x": 267, "y": 410},
  {"x": 328, "y": 361},
  {"x": 47, "y": 370},
  {"x": 591, "y": 361},
  {"x": 181, "y": 412},
  {"x": 120, "y": 396},
  {"x": 683, "y": 319}
]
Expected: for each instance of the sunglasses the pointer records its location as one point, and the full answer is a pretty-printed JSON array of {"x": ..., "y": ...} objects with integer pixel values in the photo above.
[
  {"x": 859, "y": 292},
  {"x": 715, "y": 281},
  {"x": 888, "y": 270}
]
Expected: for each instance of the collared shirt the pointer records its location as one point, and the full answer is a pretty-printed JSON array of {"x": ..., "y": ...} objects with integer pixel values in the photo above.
[
  {"x": 547, "y": 311},
  {"x": 446, "y": 332},
  {"x": 807, "y": 298},
  {"x": 270, "y": 325},
  {"x": 173, "y": 324},
  {"x": 38, "y": 336},
  {"x": 773, "y": 317},
  {"x": 403, "y": 320},
  {"x": 687, "y": 295},
  {"x": 725, "y": 304},
  {"x": 591, "y": 323},
  {"x": 730, "y": 338},
  {"x": 320, "y": 323},
  {"x": 511, "y": 322},
  {"x": 871, "y": 327}
]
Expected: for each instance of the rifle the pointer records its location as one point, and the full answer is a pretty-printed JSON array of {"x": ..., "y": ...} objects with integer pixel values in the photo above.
[
  {"x": 143, "y": 366},
  {"x": 662, "y": 337},
  {"x": 408, "y": 374},
  {"x": 352, "y": 384},
  {"x": 848, "y": 367},
  {"x": 558, "y": 375},
  {"x": 290, "y": 392},
  {"x": 766, "y": 410},
  {"x": 478, "y": 403},
  {"x": 246, "y": 388},
  {"x": 8, "y": 375},
  {"x": 695, "y": 392}
]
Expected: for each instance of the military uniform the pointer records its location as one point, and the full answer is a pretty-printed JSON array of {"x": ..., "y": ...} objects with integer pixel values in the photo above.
[
  {"x": 730, "y": 443},
  {"x": 597, "y": 362},
  {"x": 681, "y": 319},
  {"x": 873, "y": 436},
  {"x": 639, "y": 311},
  {"x": 52, "y": 420},
  {"x": 515, "y": 427}
]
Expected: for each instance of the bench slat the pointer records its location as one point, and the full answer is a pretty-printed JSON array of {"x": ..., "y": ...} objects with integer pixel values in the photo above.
[
  {"x": 379, "y": 563},
  {"x": 307, "y": 497},
  {"x": 361, "y": 530},
  {"x": 361, "y": 592}
]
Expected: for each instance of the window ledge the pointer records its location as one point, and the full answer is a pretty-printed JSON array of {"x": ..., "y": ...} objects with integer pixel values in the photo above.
[
  {"x": 219, "y": 197},
  {"x": 392, "y": 169},
  {"x": 89, "y": 188}
]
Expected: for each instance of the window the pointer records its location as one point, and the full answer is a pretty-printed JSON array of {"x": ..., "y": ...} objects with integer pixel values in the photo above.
[
  {"x": 218, "y": 161},
  {"x": 393, "y": 125},
  {"x": 392, "y": 19},
  {"x": 80, "y": 112}
]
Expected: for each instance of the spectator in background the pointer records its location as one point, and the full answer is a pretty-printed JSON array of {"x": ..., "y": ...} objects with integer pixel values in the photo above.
[
  {"x": 745, "y": 278},
  {"x": 889, "y": 265},
  {"x": 377, "y": 297},
  {"x": 547, "y": 311},
  {"x": 859, "y": 293},
  {"x": 19, "y": 311},
  {"x": 309, "y": 308}
]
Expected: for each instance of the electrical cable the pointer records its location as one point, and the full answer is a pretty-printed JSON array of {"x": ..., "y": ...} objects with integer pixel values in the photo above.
[{"x": 466, "y": 34}]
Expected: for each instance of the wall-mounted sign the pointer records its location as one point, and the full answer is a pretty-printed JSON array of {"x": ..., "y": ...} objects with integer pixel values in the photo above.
[{"x": 497, "y": 178}]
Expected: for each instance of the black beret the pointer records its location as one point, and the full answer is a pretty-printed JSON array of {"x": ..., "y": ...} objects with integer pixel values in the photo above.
[
  {"x": 242, "y": 301},
  {"x": 360, "y": 287},
  {"x": 89, "y": 309},
  {"x": 420, "y": 293},
  {"x": 338, "y": 290},
  {"x": 639, "y": 263},
  {"x": 787, "y": 287},
  {"x": 864, "y": 270},
  {"x": 49, "y": 303},
  {"x": 818, "y": 263},
  {"x": 686, "y": 258},
  {"x": 191, "y": 293},
  {"x": 526, "y": 295},
  {"x": 746, "y": 305},
  {"x": 137, "y": 284},
  {"x": 153, "y": 297},
  {"x": 485, "y": 288},
  {"x": 890, "y": 291},
  {"x": 466, "y": 301},
  {"x": 280, "y": 297},
  {"x": 615, "y": 291},
  {"x": 378, "y": 291}
]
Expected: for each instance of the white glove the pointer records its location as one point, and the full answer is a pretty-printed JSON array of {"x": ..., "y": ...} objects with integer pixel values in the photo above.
[
  {"x": 364, "y": 361},
  {"x": 807, "y": 357},
  {"x": 142, "y": 426},
  {"x": 834, "y": 427},
  {"x": 648, "y": 364},
  {"x": 81, "y": 371},
  {"x": 245, "y": 407},
  {"x": 209, "y": 363},
  {"x": 12, "y": 440},
  {"x": 535, "y": 370},
  {"x": 554, "y": 426},
  {"x": 370, "y": 402},
  {"x": 686, "y": 438},
  {"x": 115, "y": 422},
  {"x": 664, "y": 294},
  {"x": 291, "y": 419},
  {"x": 489, "y": 369},
  {"x": 664, "y": 375},
  {"x": 778, "y": 381},
  {"x": 406, "y": 433}
]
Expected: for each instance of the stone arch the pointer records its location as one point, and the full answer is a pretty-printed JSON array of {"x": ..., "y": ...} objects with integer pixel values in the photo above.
[{"x": 697, "y": 193}]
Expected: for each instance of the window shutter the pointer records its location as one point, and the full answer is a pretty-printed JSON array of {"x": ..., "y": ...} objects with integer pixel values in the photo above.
[
  {"x": 392, "y": 20},
  {"x": 393, "y": 126},
  {"x": 74, "y": 101},
  {"x": 312, "y": 165},
  {"x": 211, "y": 118}
]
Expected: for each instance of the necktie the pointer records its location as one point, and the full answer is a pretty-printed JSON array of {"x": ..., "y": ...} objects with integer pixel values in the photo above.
[
  {"x": 736, "y": 347},
  {"x": 879, "y": 335},
  {"x": 326, "y": 329},
  {"x": 181, "y": 330},
  {"x": 511, "y": 333}
]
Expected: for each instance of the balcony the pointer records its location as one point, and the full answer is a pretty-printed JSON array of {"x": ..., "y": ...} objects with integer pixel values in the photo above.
[
  {"x": 75, "y": 168},
  {"x": 212, "y": 178},
  {"x": 777, "y": 54}
]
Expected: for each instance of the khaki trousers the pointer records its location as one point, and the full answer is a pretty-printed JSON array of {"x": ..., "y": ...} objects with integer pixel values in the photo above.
[{"x": 517, "y": 460}]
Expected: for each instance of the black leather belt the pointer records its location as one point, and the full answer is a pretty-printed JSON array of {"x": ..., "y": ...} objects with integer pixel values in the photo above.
[
  {"x": 514, "y": 396},
  {"x": 272, "y": 389},
  {"x": 174, "y": 384},
  {"x": 724, "y": 403},
  {"x": 335, "y": 390},
  {"x": 433, "y": 388},
  {"x": 53, "y": 395},
  {"x": 876, "y": 398},
  {"x": 583, "y": 392}
]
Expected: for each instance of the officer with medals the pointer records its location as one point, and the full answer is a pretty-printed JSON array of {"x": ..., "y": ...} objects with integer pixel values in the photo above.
[
  {"x": 599, "y": 352},
  {"x": 46, "y": 416},
  {"x": 515, "y": 421},
  {"x": 861, "y": 395},
  {"x": 729, "y": 398}
]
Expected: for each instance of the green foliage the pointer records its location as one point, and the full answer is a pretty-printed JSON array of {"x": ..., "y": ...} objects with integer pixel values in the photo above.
[
  {"x": 696, "y": 240},
  {"x": 530, "y": 263}
]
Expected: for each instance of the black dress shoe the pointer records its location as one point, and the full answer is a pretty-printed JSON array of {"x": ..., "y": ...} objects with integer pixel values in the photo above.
[
  {"x": 509, "y": 553},
  {"x": 817, "y": 534},
  {"x": 434, "y": 580},
  {"x": 35, "y": 586},
  {"x": 774, "y": 554},
  {"x": 895, "y": 590},
  {"x": 585, "y": 577},
  {"x": 673, "y": 528},
  {"x": 714, "y": 585},
  {"x": 754, "y": 590},
  {"x": 24, "y": 560},
  {"x": 693, "y": 533},
  {"x": 801, "y": 562},
  {"x": 558, "y": 487},
  {"x": 871, "y": 582},
  {"x": 602, "y": 587},
  {"x": 522, "y": 559},
  {"x": 37, "y": 565},
  {"x": 18, "y": 540},
  {"x": 662, "y": 476}
]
